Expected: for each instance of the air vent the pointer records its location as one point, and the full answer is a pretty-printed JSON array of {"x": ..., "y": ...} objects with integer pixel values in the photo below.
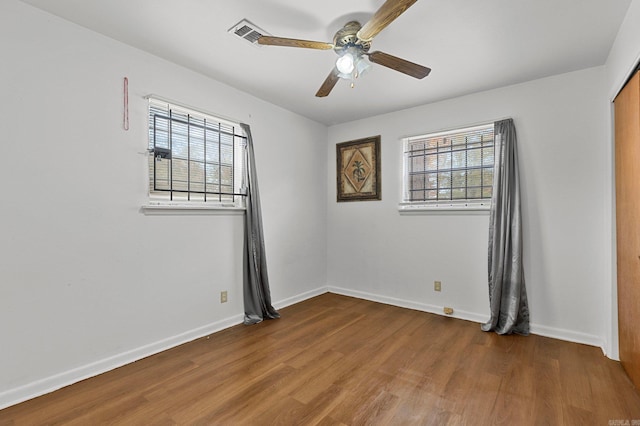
[{"x": 248, "y": 31}]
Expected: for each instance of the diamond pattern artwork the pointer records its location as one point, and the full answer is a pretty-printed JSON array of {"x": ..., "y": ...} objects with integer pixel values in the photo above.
[{"x": 358, "y": 169}]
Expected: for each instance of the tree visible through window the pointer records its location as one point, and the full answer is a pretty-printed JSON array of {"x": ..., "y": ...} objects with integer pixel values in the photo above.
[{"x": 453, "y": 166}]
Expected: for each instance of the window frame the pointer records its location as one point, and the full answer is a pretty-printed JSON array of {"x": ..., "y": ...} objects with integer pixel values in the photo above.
[
  {"x": 454, "y": 206},
  {"x": 159, "y": 204}
]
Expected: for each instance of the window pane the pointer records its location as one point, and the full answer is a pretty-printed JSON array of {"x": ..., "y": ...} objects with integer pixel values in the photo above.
[
  {"x": 459, "y": 194},
  {"x": 487, "y": 156},
  {"x": 432, "y": 181},
  {"x": 459, "y": 159},
  {"x": 459, "y": 178},
  {"x": 474, "y": 157},
  {"x": 444, "y": 180},
  {"x": 417, "y": 181},
  {"x": 417, "y": 163},
  {"x": 431, "y": 162},
  {"x": 417, "y": 195},
  {"x": 444, "y": 194},
  {"x": 196, "y": 174},
  {"x": 213, "y": 153},
  {"x": 460, "y": 162},
  {"x": 195, "y": 154},
  {"x": 196, "y": 150},
  {"x": 444, "y": 161},
  {"x": 473, "y": 193},
  {"x": 487, "y": 176},
  {"x": 226, "y": 176},
  {"x": 416, "y": 148},
  {"x": 163, "y": 173},
  {"x": 474, "y": 177},
  {"x": 180, "y": 174}
]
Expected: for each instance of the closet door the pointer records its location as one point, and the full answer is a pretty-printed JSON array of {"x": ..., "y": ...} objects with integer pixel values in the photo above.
[{"x": 627, "y": 143}]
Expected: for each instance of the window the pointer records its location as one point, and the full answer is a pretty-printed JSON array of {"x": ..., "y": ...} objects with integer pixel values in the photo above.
[
  {"x": 195, "y": 157},
  {"x": 449, "y": 169}
]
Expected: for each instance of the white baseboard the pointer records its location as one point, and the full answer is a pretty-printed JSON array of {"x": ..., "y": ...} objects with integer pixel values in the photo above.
[
  {"x": 540, "y": 330},
  {"x": 55, "y": 382},
  {"x": 66, "y": 378},
  {"x": 568, "y": 335},
  {"x": 424, "y": 307},
  {"x": 299, "y": 298}
]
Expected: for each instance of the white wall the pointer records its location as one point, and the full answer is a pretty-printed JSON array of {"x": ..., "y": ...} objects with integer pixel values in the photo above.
[
  {"x": 87, "y": 281},
  {"x": 375, "y": 252},
  {"x": 623, "y": 58}
]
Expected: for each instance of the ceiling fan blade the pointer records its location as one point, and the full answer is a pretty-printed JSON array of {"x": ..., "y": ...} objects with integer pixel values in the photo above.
[
  {"x": 328, "y": 84},
  {"x": 293, "y": 42},
  {"x": 398, "y": 64},
  {"x": 389, "y": 11}
]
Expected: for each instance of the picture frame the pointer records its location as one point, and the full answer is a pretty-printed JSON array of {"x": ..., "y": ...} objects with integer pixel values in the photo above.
[{"x": 358, "y": 170}]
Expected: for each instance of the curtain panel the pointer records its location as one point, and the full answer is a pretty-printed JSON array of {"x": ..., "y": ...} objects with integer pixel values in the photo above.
[
  {"x": 257, "y": 296},
  {"x": 507, "y": 294}
]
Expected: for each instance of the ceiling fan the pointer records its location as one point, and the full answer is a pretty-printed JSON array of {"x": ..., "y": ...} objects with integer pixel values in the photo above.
[{"x": 352, "y": 42}]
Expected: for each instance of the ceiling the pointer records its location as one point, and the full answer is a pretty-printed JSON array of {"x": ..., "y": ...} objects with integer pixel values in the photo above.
[{"x": 470, "y": 45}]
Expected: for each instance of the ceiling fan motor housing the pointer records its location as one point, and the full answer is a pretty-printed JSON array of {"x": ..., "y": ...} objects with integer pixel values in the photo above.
[{"x": 346, "y": 38}]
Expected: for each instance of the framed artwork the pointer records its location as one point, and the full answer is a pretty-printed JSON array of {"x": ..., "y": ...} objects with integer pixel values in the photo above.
[{"x": 358, "y": 169}]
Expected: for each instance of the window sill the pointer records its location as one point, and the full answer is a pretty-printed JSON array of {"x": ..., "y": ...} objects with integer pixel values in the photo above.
[
  {"x": 175, "y": 209},
  {"x": 445, "y": 208}
]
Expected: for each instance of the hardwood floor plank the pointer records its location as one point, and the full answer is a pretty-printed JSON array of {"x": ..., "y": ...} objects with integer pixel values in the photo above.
[
  {"x": 599, "y": 377},
  {"x": 360, "y": 396},
  {"x": 254, "y": 395},
  {"x": 374, "y": 410},
  {"x": 336, "y": 360},
  {"x": 317, "y": 410},
  {"x": 576, "y": 389},
  {"x": 284, "y": 411},
  {"x": 309, "y": 384},
  {"x": 548, "y": 391},
  {"x": 575, "y": 416}
]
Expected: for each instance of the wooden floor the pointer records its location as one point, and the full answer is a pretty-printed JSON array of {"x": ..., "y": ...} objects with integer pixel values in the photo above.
[{"x": 337, "y": 360}]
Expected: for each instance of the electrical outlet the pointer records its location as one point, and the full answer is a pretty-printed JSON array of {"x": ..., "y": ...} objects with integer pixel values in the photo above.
[
  {"x": 437, "y": 286},
  {"x": 223, "y": 296}
]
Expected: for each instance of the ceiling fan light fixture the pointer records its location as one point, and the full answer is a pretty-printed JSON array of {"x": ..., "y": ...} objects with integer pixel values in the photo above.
[
  {"x": 345, "y": 63},
  {"x": 361, "y": 66}
]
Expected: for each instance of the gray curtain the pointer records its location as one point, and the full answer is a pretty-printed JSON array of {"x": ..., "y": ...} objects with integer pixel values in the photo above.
[
  {"x": 257, "y": 297},
  {"x": 507, "y": 293}
]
